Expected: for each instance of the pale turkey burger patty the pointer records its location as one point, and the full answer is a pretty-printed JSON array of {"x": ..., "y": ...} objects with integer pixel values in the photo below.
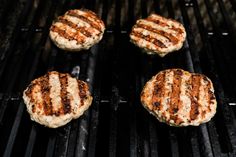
[
  {"x": 77, "y": 30},
  {"x": 180, "y": 98},
  {"x": 56, "y": 98},
  {"x": 157, "y": 34}
]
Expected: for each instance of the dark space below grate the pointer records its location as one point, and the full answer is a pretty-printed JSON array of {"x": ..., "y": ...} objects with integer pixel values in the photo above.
[{"x": 116, "y": 70}]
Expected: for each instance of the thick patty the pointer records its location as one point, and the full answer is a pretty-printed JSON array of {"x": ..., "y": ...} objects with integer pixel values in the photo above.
[
  {"x": 180, "y": 98},
  {"x": 56, "y": 98},
  {"x": 77, "y": 30},
  {"x": 158, "y": 35}
]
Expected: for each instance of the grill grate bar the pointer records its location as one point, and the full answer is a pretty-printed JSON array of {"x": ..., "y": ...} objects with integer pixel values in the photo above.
[
  {"x": 93, "y": 126},
  {"x": 170, "y": 9},
  {"x": 92, "y": 139},
  {"x": 51, "y": 146},
  {"x": 144, "y": 8},
  {"x": 173, "y": 144},
  {"x": 233, "y": 2},
  {"x": 153, "y": 139},
  {"x": 12, "y": 137},
  {"x": 3, "y": 107},
  {"x": 195, "y": 144},
  {"x": 113, "y": 122},
  {"x": 81, "y": 146},
  {"x": 62, "y": 139},
  {"x": 133, "y": 134},
  {"x": 205, "y": 143},
  {"x": 191, "y": 43},
  {"x": 228, "y": 21},
  {"x": 214, "y": 139},
  {"x": 112, "y": 134},
  {"x": 189, "y": 61},
  {"x": 31, "y": 142},
  {"x": 157, "y": 7}
]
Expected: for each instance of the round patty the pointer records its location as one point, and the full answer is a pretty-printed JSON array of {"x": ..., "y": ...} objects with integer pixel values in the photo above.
[
  {"x": 180, "y": 98},
  {"x": 77, "y": 30},
  {"x": 158, "y": 35},
  {"x": 55, "y": 99}
]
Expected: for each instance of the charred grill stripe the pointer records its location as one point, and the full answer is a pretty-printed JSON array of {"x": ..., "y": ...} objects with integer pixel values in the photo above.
[
  {"x": 168, "y": 36},
  {"x": 164, "y": 24},
  {"x": 66, "y": 105},
  {"x": 150, "y": 39},
  {"x": 29, "y": 90},
  {"x": 93, "y": 16},
  {"x": 85, "y": 19},
  {"x": 45, "y": 90},
  {"x": 82, "y": 92},
  {"x": 83, "y": 30},
  {"x": 29, "y": 94},
  {"x": 196, "y": 82},
  {"x": 175, "y": 102},
  {"x": 75, "y": 36},
  {"x": 209, "y": 93},
  {"x": 158, "y": 92}
]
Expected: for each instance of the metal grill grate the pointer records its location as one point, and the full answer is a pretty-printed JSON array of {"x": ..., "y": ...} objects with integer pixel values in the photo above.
[{"x": 116, "y": 70}]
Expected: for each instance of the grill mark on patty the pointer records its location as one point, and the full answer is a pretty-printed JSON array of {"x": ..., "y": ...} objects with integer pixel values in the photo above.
[
  {"x": 158, "y": 92},
  {"x": 92, "y": 15},
  {"x": 83, "y": 30},
  {"x": 80, "y": 39},
  {"x": 29, "y": 90},
  {"x": 164, "y": 24},
  {"x": 85, "y": 19},
  {"x": 66, "y": 105},
  {"x": 82, "y": 92},
  {"x": 45, "y": 90},
  {"x": 175, "y": 102},
  {"x": 210, "y": 94},
  {"x": 196, "y": 82},
  {"x": 168, "y": 36},
  {"x": 150, "y": 39},
  {"x": 29, "y": 94}
]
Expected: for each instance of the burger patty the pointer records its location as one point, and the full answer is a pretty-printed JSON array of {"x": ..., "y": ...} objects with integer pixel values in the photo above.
[
  {"x": 180, "y": 98},
  {"x": 56, "y": 98},
  {"x": 77, "y": 30},
  {"x": 157, "y": 34}
]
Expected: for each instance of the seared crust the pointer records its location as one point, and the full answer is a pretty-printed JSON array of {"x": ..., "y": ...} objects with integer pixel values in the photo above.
[
  {"x": 56, "y": 98},
  {"x": 77, "y": 30},
  {"x": 157, "y": 34},
  {"x": 180, "y": 98}
]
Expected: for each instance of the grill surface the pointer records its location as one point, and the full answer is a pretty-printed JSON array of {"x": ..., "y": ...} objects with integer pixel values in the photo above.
[{"x": 116, "y": 70}]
